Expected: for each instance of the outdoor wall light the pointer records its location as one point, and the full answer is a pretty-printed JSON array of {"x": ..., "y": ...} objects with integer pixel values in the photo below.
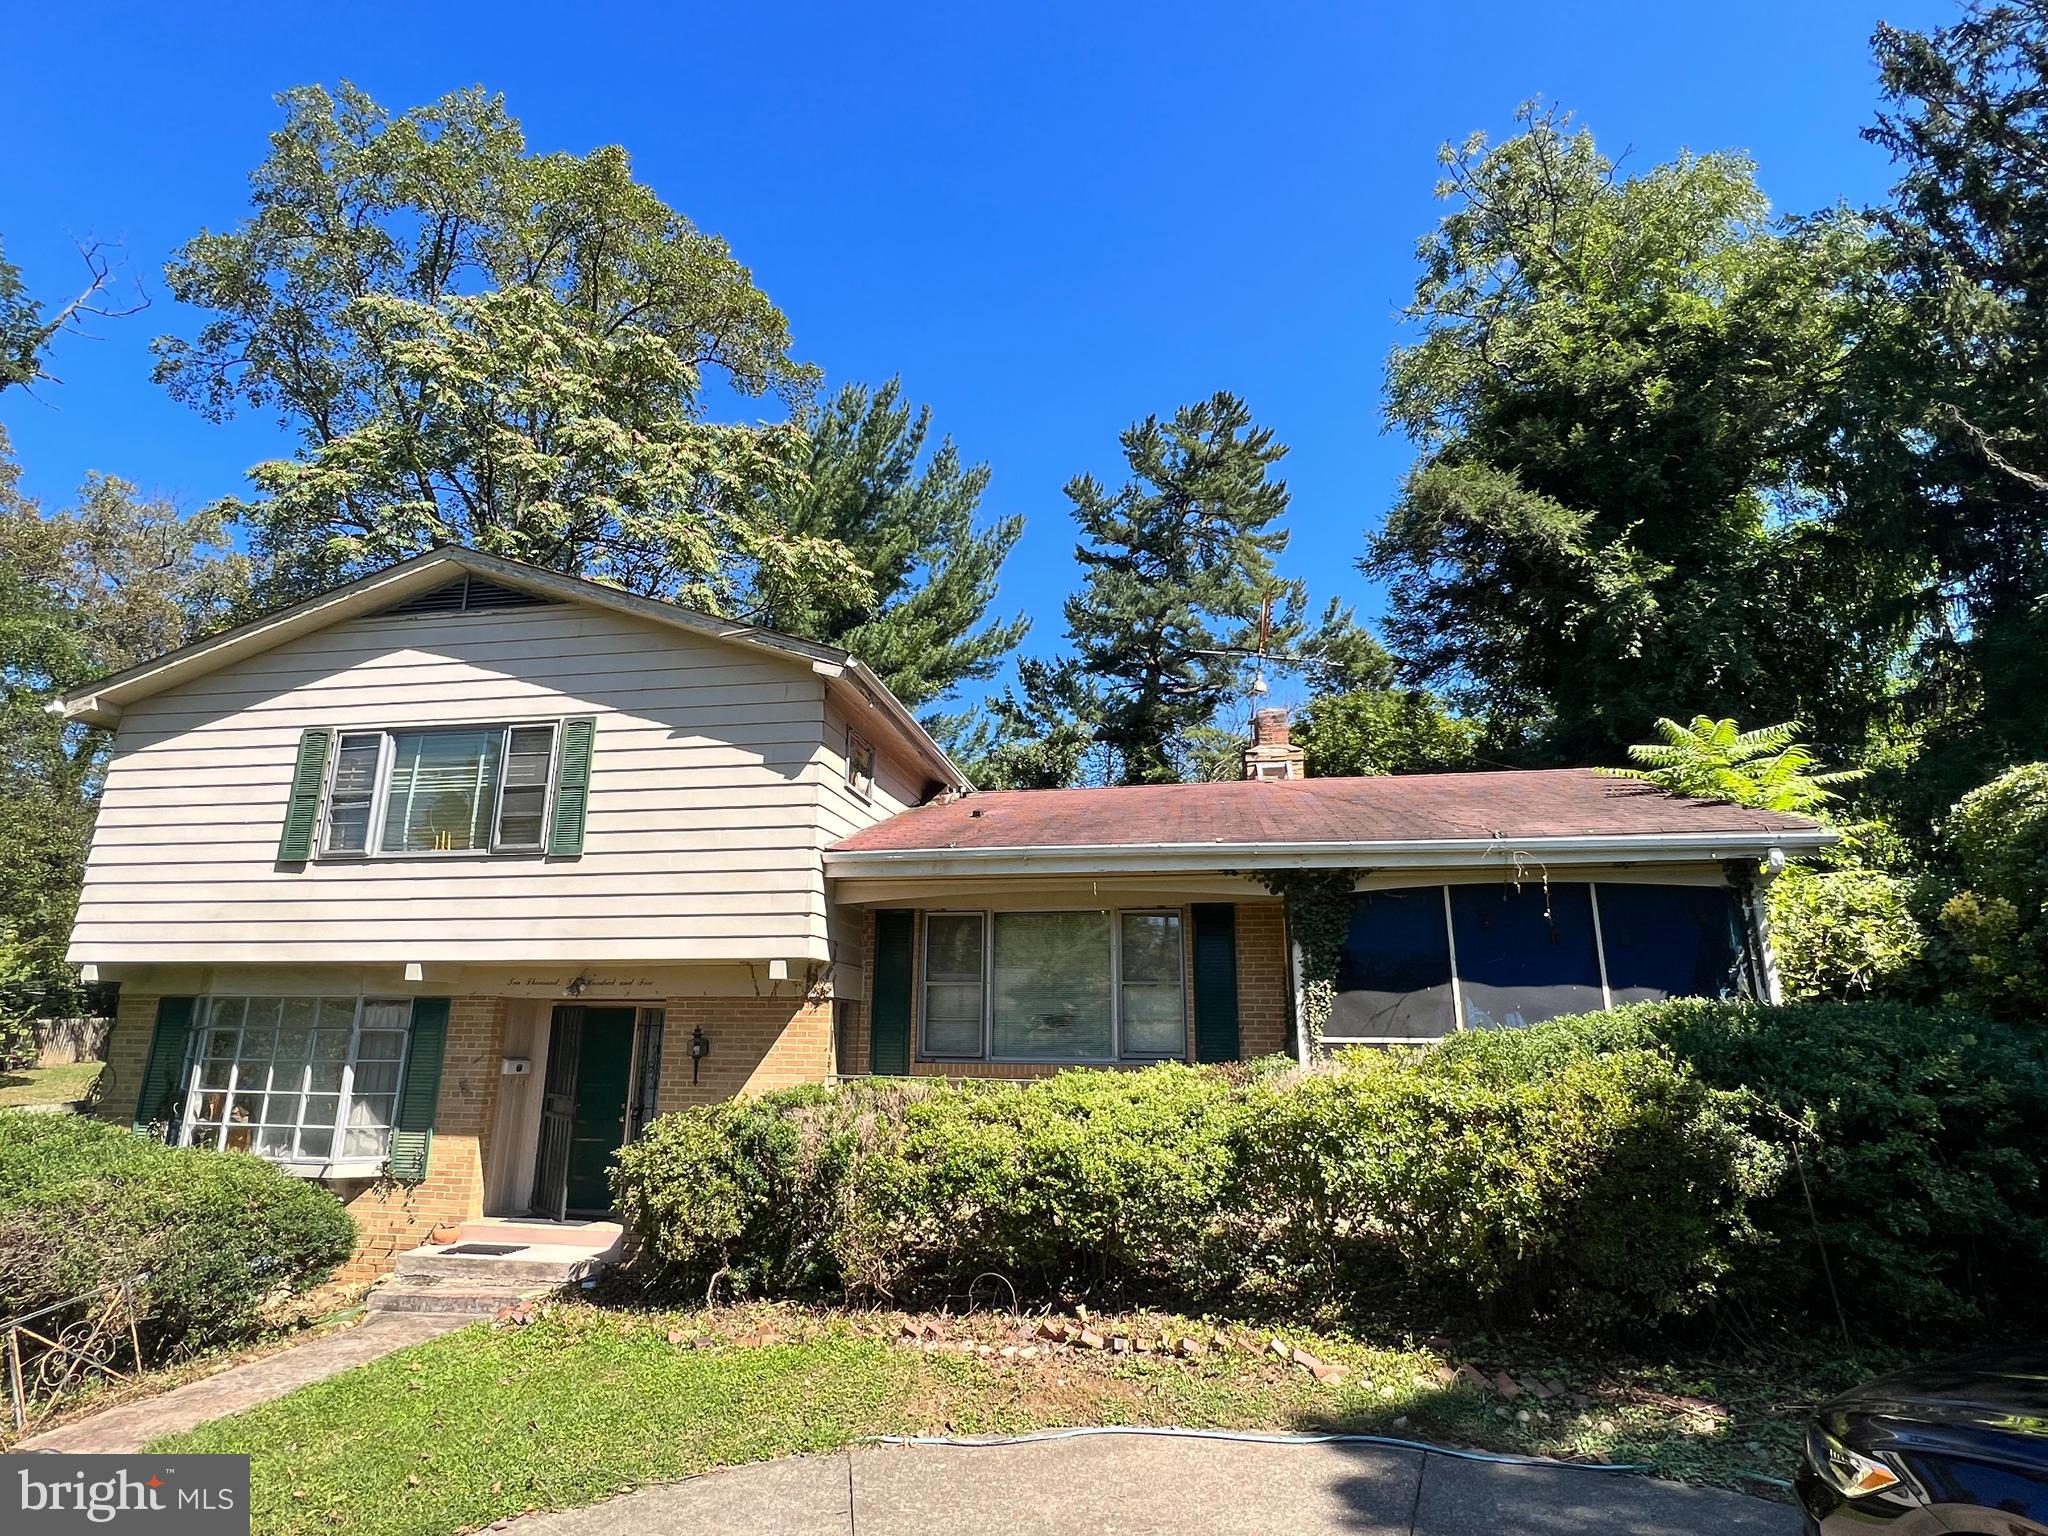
[{"x": 700, "y": 1047}]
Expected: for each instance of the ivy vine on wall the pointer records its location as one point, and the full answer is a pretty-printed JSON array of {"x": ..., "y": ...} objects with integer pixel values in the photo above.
[{"x": 1318, "y": 916}]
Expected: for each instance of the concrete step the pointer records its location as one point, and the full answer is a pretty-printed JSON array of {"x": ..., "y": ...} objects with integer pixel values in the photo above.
[
  {"x": 530, "y": 1266},
  {"x": 603, "y": 1236},
  {"x": 453, "y": 1300}
]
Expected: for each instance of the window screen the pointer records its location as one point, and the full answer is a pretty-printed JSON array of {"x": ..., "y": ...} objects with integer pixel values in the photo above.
[
  {"x": 1525, "y": 953},
  {"x": 353, "y": 792},
  {"x": 523, "y": 797},
  {"x": 952, "y": 984},
  {"x": 1671, "y": 941},
  {"x": 1394, "y": 978},
  {"x": 1051, "y": 986},
  {"x": 1155, "y": 1013}
]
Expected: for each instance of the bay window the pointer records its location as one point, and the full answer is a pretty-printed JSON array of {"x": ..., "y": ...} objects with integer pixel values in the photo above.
[
  {"x": 440, "y": 790},
  {"x": 1053, "y": 986},
  {"x": 299, "y": 1079}
]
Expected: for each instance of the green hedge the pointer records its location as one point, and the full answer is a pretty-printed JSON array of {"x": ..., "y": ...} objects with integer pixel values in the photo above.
[
  {"x": 84, "y": 1203},
  {"x": 1592, "y": 1189},
  {"x": 1925, "y": 1149},
  {"x": 1594, "y": 1172}
]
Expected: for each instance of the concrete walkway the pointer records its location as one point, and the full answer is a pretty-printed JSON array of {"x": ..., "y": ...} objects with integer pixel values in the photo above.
[
  {"x": 129, "y": 1427},
  {"x": 1135, "y": 1485}
]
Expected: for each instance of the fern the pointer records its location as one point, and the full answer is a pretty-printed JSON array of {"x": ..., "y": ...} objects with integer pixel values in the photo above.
[{"x": 1767, "y": 768}]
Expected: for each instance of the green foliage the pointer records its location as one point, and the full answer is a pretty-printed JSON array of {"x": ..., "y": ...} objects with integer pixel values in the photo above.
[
  {"x": 1375, "y": 731},
  {"x": 1961, "y": 388},
  {"x": 1576, "y": 1186},
  {"x": 1177, "y": 575},
  {"x": 1713, "y": 760},
  {"x": 1619, "y": 391},
  {"x": 1998, "y": 921},
  {"x": 1502, "y": 1174},
  {"x": 84, "y": 591},
  {"x": 217, "y": 1234},
  {"x": 484, "y": 346},
  {"x": 1923, "y": 1133},
  {"x": 910, "y": 520},
  {"x": 22, "y": 334},
  {"x": 1846, "y": 934}
]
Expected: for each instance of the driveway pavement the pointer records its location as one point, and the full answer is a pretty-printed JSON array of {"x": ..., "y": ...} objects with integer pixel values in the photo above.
[{"x": 1133, "y": 1485}]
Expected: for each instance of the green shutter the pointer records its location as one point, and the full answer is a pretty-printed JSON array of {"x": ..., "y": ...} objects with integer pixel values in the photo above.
[
  {"x": 309, "y": 782},
  {"x": 889, "y": 995},
  {"x": 572, "y": 788},
  {"x": 412, "y": 1128},
  {"x": 160, "y": 1079},
  {"x": 1216, "y": 982}
]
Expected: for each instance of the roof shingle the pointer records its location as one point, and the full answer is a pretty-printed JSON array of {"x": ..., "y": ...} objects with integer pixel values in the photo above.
[{"x": 1418, "y": 808}]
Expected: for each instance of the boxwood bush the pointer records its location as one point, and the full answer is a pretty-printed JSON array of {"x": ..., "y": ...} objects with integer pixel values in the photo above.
[{"x": 83, "y": 1203}]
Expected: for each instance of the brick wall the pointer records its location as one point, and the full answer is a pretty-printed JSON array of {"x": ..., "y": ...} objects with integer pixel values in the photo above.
[
  {"x": 1264, "y": 1001},
  {"x": 120, "y": 1081},
  {"x": 757, "y": 1044},
  {"x": 1265, "y": 981}
]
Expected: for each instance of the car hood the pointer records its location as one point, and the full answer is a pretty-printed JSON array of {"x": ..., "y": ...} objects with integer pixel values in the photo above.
[{"x": 2005, "y": 1391}]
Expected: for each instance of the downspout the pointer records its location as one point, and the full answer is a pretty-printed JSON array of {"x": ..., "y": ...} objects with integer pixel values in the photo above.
[{"x": 1301, "y": 1041}]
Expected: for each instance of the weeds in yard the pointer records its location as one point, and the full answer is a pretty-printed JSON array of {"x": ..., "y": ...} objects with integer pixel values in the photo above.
[{"x": 586, "y": 1402}]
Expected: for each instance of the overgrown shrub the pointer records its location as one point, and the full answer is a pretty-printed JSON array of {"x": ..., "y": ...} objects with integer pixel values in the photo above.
[
  {"x": 1925, "y": 1145},
  {"x": 1998, "y": 922},
  {"x": 1520, "y": 1172},
  {"x": 1586, "y": 1187},
  {"x": 1846, "y": 934},
  {"x": 84, "y": 1203}
]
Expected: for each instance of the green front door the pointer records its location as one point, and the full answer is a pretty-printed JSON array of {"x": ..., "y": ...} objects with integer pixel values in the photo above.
[{"x": 604, "y": 1073}]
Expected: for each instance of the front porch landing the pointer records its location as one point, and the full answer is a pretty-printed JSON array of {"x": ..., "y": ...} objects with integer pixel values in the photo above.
[{"x": 496, "y": 1263}]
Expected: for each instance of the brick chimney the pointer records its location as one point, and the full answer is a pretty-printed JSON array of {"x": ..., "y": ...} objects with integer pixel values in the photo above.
[{"x": 1271, "y": 755}]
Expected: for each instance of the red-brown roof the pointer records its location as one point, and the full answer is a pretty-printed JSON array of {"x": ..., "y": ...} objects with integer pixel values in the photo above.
[{"x": 1417, "y": 808}]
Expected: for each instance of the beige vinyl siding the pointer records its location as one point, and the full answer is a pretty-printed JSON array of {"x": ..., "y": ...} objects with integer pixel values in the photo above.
[
  {"x": 702, "y": 841},
  {"x": 899, "y": 785}
]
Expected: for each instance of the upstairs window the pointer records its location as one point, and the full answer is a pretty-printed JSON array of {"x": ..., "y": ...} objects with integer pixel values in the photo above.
[
  {"x": 860, "y": 765},
  {"x": 461, "y": 789}
]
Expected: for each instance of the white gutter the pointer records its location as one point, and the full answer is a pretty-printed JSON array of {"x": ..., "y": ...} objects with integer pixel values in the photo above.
[{"x": 1435, "y": 853}]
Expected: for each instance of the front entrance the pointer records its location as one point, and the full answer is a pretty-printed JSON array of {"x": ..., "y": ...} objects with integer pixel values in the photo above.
[{"x": 583, "y": 1110}]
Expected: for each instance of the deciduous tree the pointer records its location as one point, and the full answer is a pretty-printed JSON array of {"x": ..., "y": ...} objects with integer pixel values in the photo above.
[{"x": 479, "y": 344}]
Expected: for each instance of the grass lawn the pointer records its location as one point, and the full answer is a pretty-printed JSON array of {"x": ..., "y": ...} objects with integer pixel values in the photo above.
[
  {"x": 47, "y": 1085},
  {"x": 585, "y": 1403}
]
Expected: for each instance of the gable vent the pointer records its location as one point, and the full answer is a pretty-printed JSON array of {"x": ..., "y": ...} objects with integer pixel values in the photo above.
[{"x": 466, "y": 594}]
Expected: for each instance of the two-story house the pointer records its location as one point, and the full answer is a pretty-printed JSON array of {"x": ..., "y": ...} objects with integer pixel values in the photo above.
[{"x": 438, "y": 886}]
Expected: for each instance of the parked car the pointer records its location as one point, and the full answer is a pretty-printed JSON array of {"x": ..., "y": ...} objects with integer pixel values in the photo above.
[{"x": 1954, "y": 1448}]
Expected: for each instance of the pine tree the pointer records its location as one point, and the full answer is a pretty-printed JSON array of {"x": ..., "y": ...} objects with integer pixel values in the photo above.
[
  {"x": 1178, "y": 574},
  {"x": 913, "y": 526}
]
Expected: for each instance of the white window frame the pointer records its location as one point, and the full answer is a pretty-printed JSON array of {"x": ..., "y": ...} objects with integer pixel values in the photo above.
[
  {"x": 335, "y": 1164},
  {"x": 1117, "y": 1056},
  {"x": 380, "y": 796},
  {"x": 860, "y": 764}
]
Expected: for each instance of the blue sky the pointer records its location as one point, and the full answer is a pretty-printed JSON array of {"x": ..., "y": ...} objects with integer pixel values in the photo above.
[{"x": 1049, "y": 219}]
